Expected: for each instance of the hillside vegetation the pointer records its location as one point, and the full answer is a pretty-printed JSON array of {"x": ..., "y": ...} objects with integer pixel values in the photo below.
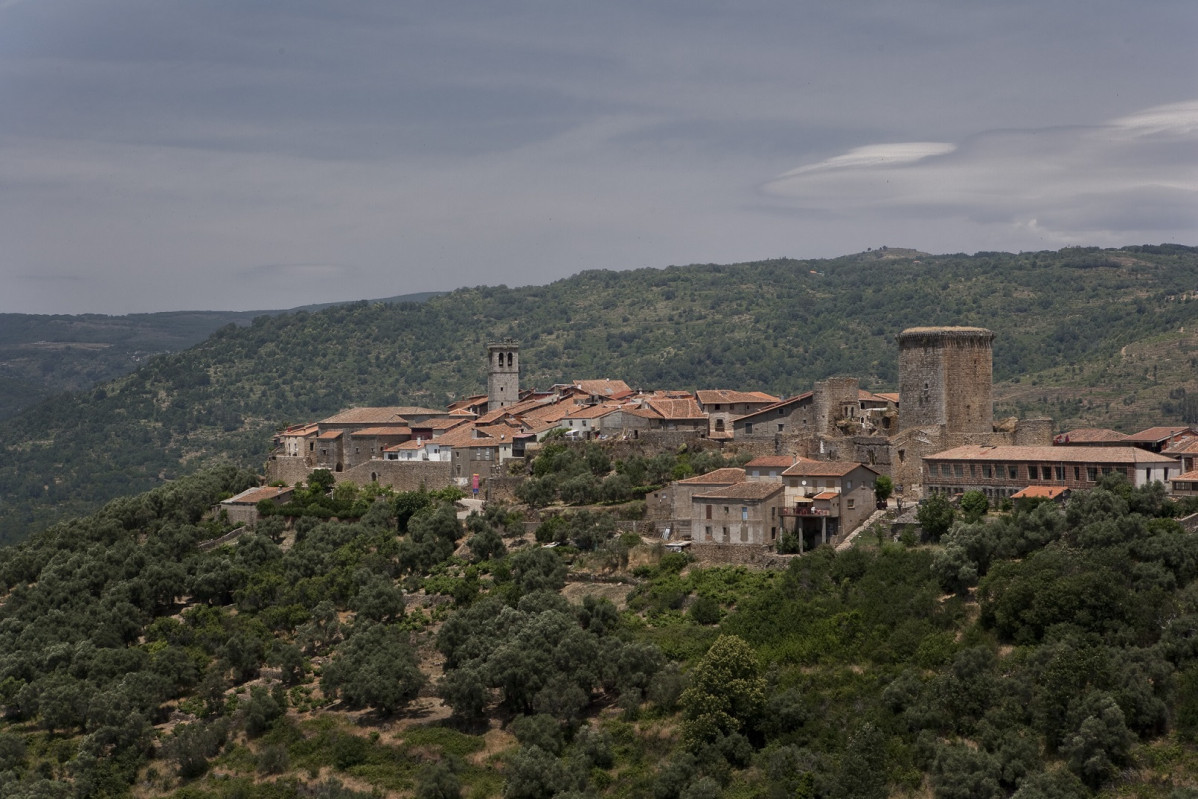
[
  {"x": 376, "y": 646},
  {"x": 1120, "y": 323}
]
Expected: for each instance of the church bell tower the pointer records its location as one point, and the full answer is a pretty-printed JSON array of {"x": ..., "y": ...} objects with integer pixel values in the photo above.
[{"x": 503, "y": 373}]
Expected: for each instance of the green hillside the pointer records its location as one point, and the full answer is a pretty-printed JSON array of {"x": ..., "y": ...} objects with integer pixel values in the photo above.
[
  {"x": 1045, "y": 653},
  {"x": 43, "y": 355},
  {"x": 773, "y": 325}
]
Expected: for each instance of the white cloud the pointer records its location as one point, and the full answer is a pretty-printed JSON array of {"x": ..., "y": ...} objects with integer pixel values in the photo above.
[{"x": 1133, "y": 174}]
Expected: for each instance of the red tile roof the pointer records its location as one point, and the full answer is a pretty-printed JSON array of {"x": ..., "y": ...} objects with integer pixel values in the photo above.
[
  {"x": 1040, "y": 492},
  {"x": 720, "y": 396},
  {"x": 780, "y": 404},
  {"x": 771, "y": 462},
  {"x": 809, "y": 468},
  {"x": 747, "y": 491},
  {"x": 612, "y": 389},
  {"x": 725, "y": 476},
  {"x": 827, "y": 495},
  {"x": 1156, "y": 434},
  {"x": 382, "y": 431},
  {"x": 677, "y": 409},
  {"x": 1089, "y": 434},
  {"x": 1055, "y": 454}
]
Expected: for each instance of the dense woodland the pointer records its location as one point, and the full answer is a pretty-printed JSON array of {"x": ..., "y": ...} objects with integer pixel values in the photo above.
[
  {"x": 1118, "y": 326},
  {"x": 362, "y": 643}
]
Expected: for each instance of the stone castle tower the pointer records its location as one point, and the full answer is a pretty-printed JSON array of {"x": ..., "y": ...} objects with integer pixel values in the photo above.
[
  {"x": 945, "y": 377},
  {"x": 503, "y": 373}
]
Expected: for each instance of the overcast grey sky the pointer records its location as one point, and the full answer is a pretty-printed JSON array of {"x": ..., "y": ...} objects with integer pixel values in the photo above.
[{"x": 162, "y": 155}]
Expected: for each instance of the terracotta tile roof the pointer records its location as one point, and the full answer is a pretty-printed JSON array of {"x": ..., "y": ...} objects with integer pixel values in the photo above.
[
  {"x": 252, "y": 496},
  {"x": 810, "y": 468},
  {"x": 301, "y": 429},
  {"x": 382, "y": 431},
  {"x": 721, "y": 396},
  {"x": 1186, "y": 476},
  {"x": 827, "y": 495},
  {"x": 441, "y": 423},
  {"x": 1154, "y": 434},
  {"x": 1089, "y": 434},
  {"x": 780, "y": 404},
  {"x": 747, "y": 491},
  {"x": 771, "y": 462},
  {"x": 677, "y": 408},
  {"x": 416, "y": 443},
  {"x": 1039, "y": 492},
  {"x": 1184, "y": 448},
  {"x": 1054, "y": 454},
  {"x": 725, "y": 476},
  {"x": 591, "y": 411},
  {"x": 466, "y": 402},
  {"x": 888, "y": 396},
  {"x": 373, "y": 416},
  {"x": 329, "y": 435},
  {"x": 459, "y": 436},
  {"x": 612, "y": 389}
]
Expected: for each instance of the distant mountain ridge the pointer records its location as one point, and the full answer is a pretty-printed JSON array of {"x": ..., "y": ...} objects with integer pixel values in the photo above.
[
  {"x": 46, "y": 354},
  {"x": 1092, "y": 318}
]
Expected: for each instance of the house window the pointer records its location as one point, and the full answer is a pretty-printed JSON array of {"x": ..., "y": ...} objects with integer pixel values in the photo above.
[
  {"x": 748, "y": 427},
  {"x": 780, "y": 411},
  {"x": 987, "y": 472},
  {"x": 1060, "y": 473},
  {"x": 852, "y": 502},
  {"x": 725, "y": 510},
  {"x": 1092, "y": 473},
  {"x": 1012, "y": 471},
  {"x": 744, "y": 514},
  {"x": 958, "y": 470},
  {"x": 707, "y": 530},
  {"x": 848, "y": 486},
  {"x": 1077, "y": 473},
  {"x": 726, "y": 539},
  {"x": 780, "y": 426},
  {"x": 1033, "y": 472},
  {"x": 708, "y": 516}
]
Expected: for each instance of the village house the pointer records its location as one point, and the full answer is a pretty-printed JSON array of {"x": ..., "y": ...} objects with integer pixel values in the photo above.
[
  {"x": 746, "y": 512},
  {"x": 722, "y": 407},
  {"x": 827, "y": 499},
  {"x": 1002, "y": 471},
  {"x": 243, "y": 508}
]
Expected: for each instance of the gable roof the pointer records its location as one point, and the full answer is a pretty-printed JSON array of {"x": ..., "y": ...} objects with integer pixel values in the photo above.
[
  {"x": 377, "y": 416},
  {"x": 721, "y": 396},
  {"x": 1089, "y": 434},
  {"x": 745, "y": 492},
  {"x": 1155, "y": 435},
  {"x": 783, "y": 404},
  {"x": 609, "y": 389},
  {"x": 1054, "y": 454},
  {"x": 725, "y": 476},
  {"x": 771, "y": 462},
  {"x": 677, "y": 409},
  {"x": 252, "y": 496},
  {"x": 366, "y": 432},
  {"x": 1039, "y": 492},
  {"x": 809, "y": 468}
]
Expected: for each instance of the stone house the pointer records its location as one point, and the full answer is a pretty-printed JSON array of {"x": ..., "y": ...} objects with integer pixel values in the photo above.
[
  {"x": 748, "y": 512},
  {"x": 243, "y": 508},
  {"x": 723, "y": 407},
  {"x": 828, "y": 499}
]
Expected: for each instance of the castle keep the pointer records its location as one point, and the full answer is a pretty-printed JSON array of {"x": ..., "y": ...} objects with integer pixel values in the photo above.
[{"x": 945, "y": 377}]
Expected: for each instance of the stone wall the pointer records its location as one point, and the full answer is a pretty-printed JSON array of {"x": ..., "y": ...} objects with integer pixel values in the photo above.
[
  {"x": 288, "y": 469},
  {"x": 400, "y": 475},
  {"x": 738, "y": 555},
  {"x": 831, "y": 399},
  {"x": 945, "y": 378}
]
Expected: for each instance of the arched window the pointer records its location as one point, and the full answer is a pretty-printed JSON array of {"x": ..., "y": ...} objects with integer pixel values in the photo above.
[{"x": 509, "y": 360}]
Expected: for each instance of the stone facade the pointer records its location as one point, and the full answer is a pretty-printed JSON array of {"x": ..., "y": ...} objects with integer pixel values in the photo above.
[
  {"x": 503, "y": 374},
  {"x": 945, "y": 378}
]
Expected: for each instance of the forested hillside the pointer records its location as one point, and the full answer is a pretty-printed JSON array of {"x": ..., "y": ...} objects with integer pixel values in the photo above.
[
  {"x": 774, "y": 325},
  {"x": 43, "y": 355},
  {"x": 1047, "y": 653}
]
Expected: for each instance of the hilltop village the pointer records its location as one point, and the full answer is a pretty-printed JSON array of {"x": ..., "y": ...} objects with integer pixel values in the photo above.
[{"x": 810, "y": 461}]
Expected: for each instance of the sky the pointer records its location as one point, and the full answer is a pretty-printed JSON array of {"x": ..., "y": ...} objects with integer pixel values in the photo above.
[{"x": 160, "y": 155}]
